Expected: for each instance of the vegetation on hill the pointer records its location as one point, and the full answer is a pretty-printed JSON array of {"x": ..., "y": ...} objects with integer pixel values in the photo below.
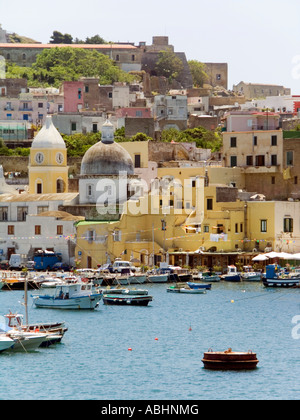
[
  {"x": 56, "y": 65},
  {"x": 60, "y": 38}
]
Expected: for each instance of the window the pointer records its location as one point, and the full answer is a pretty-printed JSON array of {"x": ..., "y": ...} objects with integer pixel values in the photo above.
[
  {"x": 73, "y": 126},
  {"x": 37, "y": 230},
  {"x": 249, "y": 160},
  {"x": 236, "y": 228},
  {"x": 138, "y": 113},
  {"x": 254, "y": 140},
  {"x": 260, "y": 160},
  {"x": 288, "y": 225},
  {"x": 40, "y": 105},
  {"x": 39, "y": 188},
  {"x": 209, "y": 204},
  {"x": 296, "y": 180},
  {"x": 60, "y": 230},
  {"x": 3, "y": 214},
  {"x": 273, "y": 180},
  {"x": 274, "y": 141},
  {"x": 137, "y": 161},
  {"x": 91, "y": 235},
  {"x": 89, "y": 190},
  {"x": 289, "y": 158},
  {"x": 95, "y": 128},
  {"x": 273, "y": 160},
  {"x": 233, "y": 161},
  {"x": 117, "y": 57},
  {"x": 117, "y": 236},
  {"x": 233, "y": 141},
  {"x": 206, "y": 229},
  {"x": 42, "y": 209},
  {"x": 86, "y": 89},
  {"x": 263, "y": 226},
  {"x": 133, "y": 57},
  {"x": 110, "y": 95},
  {"x": 10, "y": 230},
  {"x": 22, "y": 213},
  {"x": 218, "y": 77}
]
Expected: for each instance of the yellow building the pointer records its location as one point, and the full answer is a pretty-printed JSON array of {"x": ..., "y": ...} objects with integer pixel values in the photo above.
[{"x": 48, "y": 170}]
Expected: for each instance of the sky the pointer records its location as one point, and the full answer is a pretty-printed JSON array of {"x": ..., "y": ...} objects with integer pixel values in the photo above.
[{"x": 259, "y": 39}]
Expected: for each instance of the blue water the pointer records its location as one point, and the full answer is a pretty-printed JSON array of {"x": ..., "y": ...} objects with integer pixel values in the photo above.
[{"x": 93, "y": 361}]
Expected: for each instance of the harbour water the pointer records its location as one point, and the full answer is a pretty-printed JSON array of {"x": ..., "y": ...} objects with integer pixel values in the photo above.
[{"x": 167, "y": 341}]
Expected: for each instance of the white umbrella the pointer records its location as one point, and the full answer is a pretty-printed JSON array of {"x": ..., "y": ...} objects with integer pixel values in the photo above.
[
  {"x": 260, "y": 258},
  {"x": 296, "y": 257},
  {"x": 285, "y": 256},
  {"x": 272, "y": 255}
]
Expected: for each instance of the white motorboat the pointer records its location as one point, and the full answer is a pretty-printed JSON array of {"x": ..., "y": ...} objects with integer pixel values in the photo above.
[
  {"x": 130, "y": 279},
  {"x": 158, "y": 278},
  {"x": 70, "y": 296},
  {"x": 5, "y": 342},
  {"x": 24, "y": 341},
  {"x": 251, "y": 276}
]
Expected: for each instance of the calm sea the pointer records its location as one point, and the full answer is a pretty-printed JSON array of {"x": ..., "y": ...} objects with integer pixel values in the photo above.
[{"x": 168, "y": 339}]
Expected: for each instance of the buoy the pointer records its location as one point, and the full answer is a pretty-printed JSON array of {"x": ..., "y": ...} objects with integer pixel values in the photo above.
[
  {"x": 190, "y": 329},
  {"x": 156, "y": 339},
  {"x": 232, "y": 301},
  {"x": 130, "y": 349}
]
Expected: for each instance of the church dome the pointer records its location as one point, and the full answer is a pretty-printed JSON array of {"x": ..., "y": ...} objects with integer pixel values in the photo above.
[
  {"x": 48, "y": 137},
  {"x": 106, "y": 157}
]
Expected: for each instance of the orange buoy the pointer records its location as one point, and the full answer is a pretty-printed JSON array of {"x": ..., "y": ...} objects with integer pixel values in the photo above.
[{"x": 156, "y": 339}]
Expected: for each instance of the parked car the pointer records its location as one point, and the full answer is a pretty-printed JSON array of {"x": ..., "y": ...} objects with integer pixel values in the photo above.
[
  {"x": 118, "y": 266},
  {"x": 4, "y": 265},
  {"x": 60, "y": 266}
]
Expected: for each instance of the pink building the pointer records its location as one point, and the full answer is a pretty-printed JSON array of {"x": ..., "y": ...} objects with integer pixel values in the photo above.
[
  {"x": 134, "y": 113},
  {"x": 73, "y": 96},
  {"x": 251, "y": 120}
]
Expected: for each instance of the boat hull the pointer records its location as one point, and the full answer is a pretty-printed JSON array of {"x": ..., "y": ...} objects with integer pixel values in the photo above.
[
  {"x": 6, "y": 343},
  {"x": 234, "y": 279},
  {"x": 160, "y": 278},
  {"x": 83, "y": 302},
  {"x": 128, "y": 300},
  {"x": 230, "y": 361},
  {"x": 187, "y": 291},
  {"x": 282, "y": 283},
  {"x": 124, "y": 281},
  {"x": 199, "y": 286}
]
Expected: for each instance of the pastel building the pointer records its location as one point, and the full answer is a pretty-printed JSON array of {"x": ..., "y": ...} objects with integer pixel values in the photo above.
[{"x": 48, "y": 170}]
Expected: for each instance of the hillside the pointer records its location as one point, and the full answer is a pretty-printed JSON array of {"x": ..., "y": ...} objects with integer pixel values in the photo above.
[{"x": 15, "y": 38}]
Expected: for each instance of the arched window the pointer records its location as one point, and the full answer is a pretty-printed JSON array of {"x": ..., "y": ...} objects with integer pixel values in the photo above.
[{"x": 60, "y": 186}]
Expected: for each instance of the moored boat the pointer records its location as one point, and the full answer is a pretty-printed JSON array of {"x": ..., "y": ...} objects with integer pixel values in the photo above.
[
  {"x": 70, "y": 296},
  {"x": 158, "y": 278},
  {"x": 5, "y": 342},
  {"x": 273, "y": 279},
  {"x": 251, "y": 276},
  {"x": 54, "y": 332},
  {"x": 127, "y": 300},
  {"x": 187, "y": 290},
  {"x": 229, "y": 360},
  {"x": 232, "y": 274},
  {"x": 198, "y": 286}
]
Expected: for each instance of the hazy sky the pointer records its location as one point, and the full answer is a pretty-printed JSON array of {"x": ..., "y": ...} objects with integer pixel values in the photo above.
[{"x": 259, "y": 39}]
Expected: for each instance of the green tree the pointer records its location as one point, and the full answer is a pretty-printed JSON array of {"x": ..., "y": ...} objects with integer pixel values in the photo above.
[
  {"x": 198, "y": 71},
  {"x": 55, "y": 65},
  {"x": 96, "y": 39},
  {"x": 59, "y": 38},
  {"x": 169, "y": 65}
]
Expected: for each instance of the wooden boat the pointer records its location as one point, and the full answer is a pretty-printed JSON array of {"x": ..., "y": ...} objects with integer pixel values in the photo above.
[
  {"x": 117, "y": 291},
  {"x": 273, "y": 279},
  {"x": 54, "y": 331},
  {"x": 232, "y": 274},
  {"x": 229, "y": 360},
  {"x": 126, "y": 300}
]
